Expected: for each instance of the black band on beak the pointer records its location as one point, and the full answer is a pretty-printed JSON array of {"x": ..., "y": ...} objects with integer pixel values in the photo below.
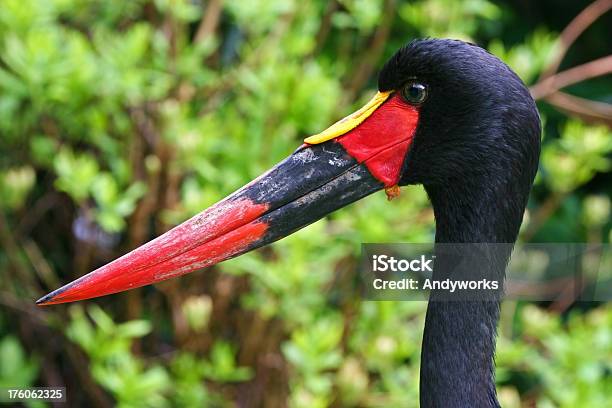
[{"x": 314, "y": 181}]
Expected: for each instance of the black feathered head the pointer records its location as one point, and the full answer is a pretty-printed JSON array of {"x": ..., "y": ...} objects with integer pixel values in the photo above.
[{"x": 475, "y": 115}]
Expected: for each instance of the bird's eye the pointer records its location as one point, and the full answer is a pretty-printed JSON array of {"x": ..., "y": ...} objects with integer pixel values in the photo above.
[{"x": 414, "y": 93}]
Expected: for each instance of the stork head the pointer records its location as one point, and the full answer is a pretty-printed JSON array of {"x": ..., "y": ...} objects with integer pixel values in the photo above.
[
  {"x": 477, "y": 116},
  {"x": 445, "y": 112}
]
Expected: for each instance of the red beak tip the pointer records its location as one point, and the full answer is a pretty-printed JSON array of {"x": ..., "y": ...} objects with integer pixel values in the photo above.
[
  {"x": 46, "y": 300},
  {"x": 52, "y": 298},
  {"x": 43, "y": 301}
]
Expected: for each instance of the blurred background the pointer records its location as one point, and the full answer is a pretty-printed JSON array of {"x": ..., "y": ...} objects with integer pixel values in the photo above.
[{"x": 120, "y": 119}]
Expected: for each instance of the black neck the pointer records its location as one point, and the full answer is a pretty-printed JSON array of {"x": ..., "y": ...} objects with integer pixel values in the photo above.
[{"x": 457, "y": 367}]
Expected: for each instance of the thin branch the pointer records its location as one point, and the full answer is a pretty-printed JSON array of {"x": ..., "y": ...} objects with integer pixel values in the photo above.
[
  {"x": 40, "y": 264},
  {"x": 375, "y": 49},
  {"x": 14, "y": 255},
  {"x": 573, "y": 30},
  {"x": 325, "y": 26},
  {"x": 210, "y": 20},
  {"x": 9, "y": 300},
  {"x": 35, "y": 213},
  {"x": 541, "y": 214},
  {"x": 589, "y": 111},
  {"x": 549, "y": 289},
  {"x": 548, "y": 86}
]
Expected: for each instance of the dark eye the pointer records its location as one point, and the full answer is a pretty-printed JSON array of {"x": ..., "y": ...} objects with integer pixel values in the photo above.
[{"x": 414, "y": 93}]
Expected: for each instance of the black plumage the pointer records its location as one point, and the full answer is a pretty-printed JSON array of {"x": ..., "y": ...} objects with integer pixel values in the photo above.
[{"x": 476, "y": 152}]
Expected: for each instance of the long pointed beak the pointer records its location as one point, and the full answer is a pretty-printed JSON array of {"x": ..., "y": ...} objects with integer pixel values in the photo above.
[{"x": 312, "y": 182}]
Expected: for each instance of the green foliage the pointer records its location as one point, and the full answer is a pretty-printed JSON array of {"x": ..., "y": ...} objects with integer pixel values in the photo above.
[
  {"x": 75, "y": 174},
  {"x": 188, "y": 374},
  {"x": 17, "y": 369},
  {"x": 15, "y": 185},
  {"x": 580, "y": 153},
  {"x": 108, "y": 347},
  {"x": 313, "y": 351},
  {"x": 197, "y": 310},
  {"x": 448, "y": 18},
  {"x": 529, "y": 58},
  {"x": 571, "y": 361},
  {"x": 137, "y": 383},
  {"x": 222, "y": 366}
]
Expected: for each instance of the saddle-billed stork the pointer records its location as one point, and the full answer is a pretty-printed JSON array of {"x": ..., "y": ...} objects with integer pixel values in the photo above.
[{"x": 447, "y": 115}]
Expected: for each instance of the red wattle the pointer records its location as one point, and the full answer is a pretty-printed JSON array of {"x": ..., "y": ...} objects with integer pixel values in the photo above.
[{"x": 383, "y": 139}]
